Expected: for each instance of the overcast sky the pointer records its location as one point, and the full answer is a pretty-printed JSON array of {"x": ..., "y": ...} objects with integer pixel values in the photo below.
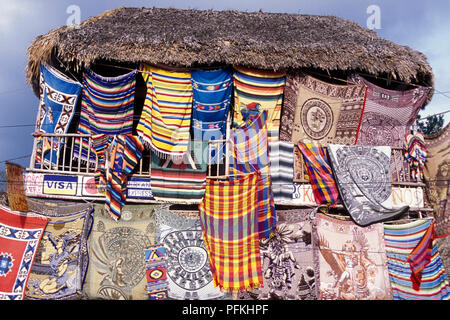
[{"x": 423, "y": 26}]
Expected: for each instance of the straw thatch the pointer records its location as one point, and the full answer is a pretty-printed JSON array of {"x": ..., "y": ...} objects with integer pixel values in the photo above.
[{"x": 187, "y": 38}]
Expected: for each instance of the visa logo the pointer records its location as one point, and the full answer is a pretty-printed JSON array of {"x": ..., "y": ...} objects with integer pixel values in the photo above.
[{"x": 60, "y": 185}]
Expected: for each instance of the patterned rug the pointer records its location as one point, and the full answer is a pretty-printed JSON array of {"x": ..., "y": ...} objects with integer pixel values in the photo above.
[
  {"x": 61, "y": 261},
  {"x": 156, "y": 272},
  {"x": 281, "y": 155},
  {"x": 363, "y": 178},
  {"x": 318, "y": 111},
  {"x": 388, "y": 114},
  {"x": 352, "y": 261},
  {"x": 255, "y": 91},
  {"x": 415, "y": 267},
  {"x": 415, "y": 154},
  {"x": 20, "y": 235},
  {"x": 166, "y": 116},
  {"x": 15, "y": 187}
]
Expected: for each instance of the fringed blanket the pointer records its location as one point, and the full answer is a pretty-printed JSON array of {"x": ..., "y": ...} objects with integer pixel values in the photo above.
[
  {"x": 320, "y": 111},
  {"x": 414, "y": 263},
  {"x": 180, "y": 180},
  {"x": 211, "y": 104},
  {"x": 415, "y": 154},
  {"x": 352, "y": 261},
  {"x": 19, "y": 239},
  {"x": 166, "y": 116},
  {"x": 250, "y": 153},
  {"x": 229, "y": 219},
  {"x": 188, "y": 268},
  {"x": 281, "y": 154},
  {"x": 363, "y": 178},
  {"x": 62, "y": 259},
  {"x": 255, "y": 91},
  {"x": 388, "y": 114},
  {"x": 156, "y": 272},
  {"x": 15, "y": 187}
]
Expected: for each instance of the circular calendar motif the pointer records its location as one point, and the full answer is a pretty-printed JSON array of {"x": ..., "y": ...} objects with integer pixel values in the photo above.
[
  {"x": 192, "y": 259},
  {"x": 316, "y": 118}
]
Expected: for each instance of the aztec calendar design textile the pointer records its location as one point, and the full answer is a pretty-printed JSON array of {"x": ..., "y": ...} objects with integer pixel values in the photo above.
[
  {"x": 363, "y": 178},
  {"x": 20, "y": 235}
]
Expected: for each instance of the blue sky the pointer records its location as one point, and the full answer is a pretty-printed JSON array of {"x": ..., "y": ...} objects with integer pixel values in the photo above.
[{"x": 423, "y": 26}]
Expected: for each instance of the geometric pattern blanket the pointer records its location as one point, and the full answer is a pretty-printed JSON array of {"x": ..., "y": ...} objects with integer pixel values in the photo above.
[
  {"x": 20, "y": 235},
  {"x": 156, "y": 273}
]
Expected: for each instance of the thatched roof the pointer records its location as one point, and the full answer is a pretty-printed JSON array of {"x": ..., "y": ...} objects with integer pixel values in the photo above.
[{"x": 262, "y": 40}]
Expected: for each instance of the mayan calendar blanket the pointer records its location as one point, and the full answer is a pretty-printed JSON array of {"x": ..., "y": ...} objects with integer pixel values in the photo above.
[
  {"x": 166, "y": 116},
  {"x": 117, "y": 266},
  {"x": 437, "y": 178},
  {"x": 281, "y": 155},
  {"x": 363, "y": 178},
  {"x": 229, "y": 218},
  {"x": 210, "y": 106},
  {"x": 62, "y": 259},
  {"x": 415, "y": 267},
  {"x": 15, "y": 187},
  {"x": 415, "y": 154},
  {"x": 319, "y": 111},
  {"x": 255, "y": 91},
  {"x": 319, "y": 173},
  {"x": 352, "y": 261},
  {"x": 250, "y": 153},
  {"x": 188, "y": 268},
  {"x": 107, "y": 107},
  {"x": 156, "y": 272},
  {"x": 20, "y": 235},
  {"x": 388, "y": 114},
  {"x": 58, "y": 99}
]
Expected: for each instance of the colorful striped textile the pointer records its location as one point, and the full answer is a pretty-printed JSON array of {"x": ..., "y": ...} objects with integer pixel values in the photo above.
[
  {"x": 166, "y": 116},
  {"x": 100, "y": 143},
  {"x": 411, "y": 249},
  {"x": 180, "y": 180},
  {"x": 126, "y": 151},
  {"x": 156, "y": 272},
  {"x": 15, "y": 187},
  {"x": 229, "y": 219},
  {"x": 257, "y": 90},
  {"x": 415, "y": 154},
  {"x": 281, "y": 155},
  {"x": 250, "y": 153},
  {"x": 319, "y": 173},
  {"x": 211, "y": 104},
  {"x": 20, "y": 236}
]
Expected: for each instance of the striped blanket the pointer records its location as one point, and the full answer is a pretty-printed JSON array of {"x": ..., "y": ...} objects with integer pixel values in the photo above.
[
  {"x": 229, "y": 220},
  {"x": 281, "y": 154},
  {"x": 250, "y": 153},
  {"x": 415, "y": 267},
  {"x": 257, "y": 90},
  {"x": 166, "y": 116},
  {"x": 180, "y": 180},
  {"x": 156, "y": 272},
  {"x": 211, "y": 103}
]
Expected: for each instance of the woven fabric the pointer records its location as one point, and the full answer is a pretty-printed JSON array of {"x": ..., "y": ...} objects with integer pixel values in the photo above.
[
  {"x": 156, "y": 272},
  {"x": 101, "y": 143},
  {"x": 229, "y": 219},
  {"x": 281, "y": 155},
  {"x": 166, "y": 115},
  {"x": 250, "y": 153},
  {"x": 19, "y": 239},
  {"x": 388, "y": 114},
  {"x": 318, "y": 111},
  {"x": 352, "y": 261},
  {"x": 15, "y": 187},
  {"x": 61, "y": 262},
  {"x": 415, "y": 154},
  {"x": 319, "y": 173},
  {"x": 403, "y": 242},
  {"x": 255, "y": 91},
  {"x": 363, "y": 178}
]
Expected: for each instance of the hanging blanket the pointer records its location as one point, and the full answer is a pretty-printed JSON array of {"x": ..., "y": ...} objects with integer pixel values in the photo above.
[
  {"x": 180, "y": 180},
  {"x": 415, "y": 154},
  {"x": 363, "y": 178},
  {"x": 188, "y": 268},
  {"x": 166, "y": 116},
  {"x": 250, "y": 153},
  {"x": 414, "y": 263},
  {"x": 156, "y": 272},
  {"x": 19, "y": 239},
  {"x": 388, "y": 114},
  {"x": 15, "y": 187},
  {"x": 211, "y": 104},
  {"x": 107, "y": 107},
  {"x": 281, "y": 155},
  {"x": 321, "y": 111},
  {"x": 319, "y": 173},
  {"x": 229, "y": 219},
  {"x": 352, "y": 261},
  {"x": 60, "y": 266},
  {"x": 58, "y": 99},
  {"x": 257, "y": 90}
]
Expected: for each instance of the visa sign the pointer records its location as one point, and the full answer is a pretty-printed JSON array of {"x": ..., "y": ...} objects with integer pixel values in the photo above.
[{"x": 61, "y": 185}]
